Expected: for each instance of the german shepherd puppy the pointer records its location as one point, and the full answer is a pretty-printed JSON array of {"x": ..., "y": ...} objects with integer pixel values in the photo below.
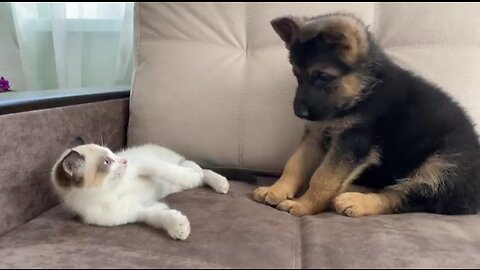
[{"x": 373, "y": 124}]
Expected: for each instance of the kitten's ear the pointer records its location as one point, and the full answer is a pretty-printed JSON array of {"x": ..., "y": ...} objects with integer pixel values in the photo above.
[
  {"x": 77, "y": 142},
  {"x": 72, "y": 165}
]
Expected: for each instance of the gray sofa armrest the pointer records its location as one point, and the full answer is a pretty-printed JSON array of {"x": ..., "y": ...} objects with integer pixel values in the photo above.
[{"x": 36, "y": 128}]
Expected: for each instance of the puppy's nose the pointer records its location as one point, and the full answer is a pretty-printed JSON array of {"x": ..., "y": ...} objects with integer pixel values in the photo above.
[
  {"x": 303, "y": 111},
  {"x": 123, "y": 161}
]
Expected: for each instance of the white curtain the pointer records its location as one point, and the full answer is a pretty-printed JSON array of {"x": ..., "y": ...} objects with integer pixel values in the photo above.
[{"x": 73, "y": 45}]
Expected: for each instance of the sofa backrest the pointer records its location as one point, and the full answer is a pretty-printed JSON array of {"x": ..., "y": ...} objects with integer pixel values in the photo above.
[{"x": 212, "y": 80}]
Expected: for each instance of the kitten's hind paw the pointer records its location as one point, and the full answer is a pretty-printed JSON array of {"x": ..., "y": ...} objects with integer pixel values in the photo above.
[{"x": 216, "y": 181}]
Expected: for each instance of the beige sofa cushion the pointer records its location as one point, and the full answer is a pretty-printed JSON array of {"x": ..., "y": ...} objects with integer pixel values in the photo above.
[{"x": 212, "y": 81}]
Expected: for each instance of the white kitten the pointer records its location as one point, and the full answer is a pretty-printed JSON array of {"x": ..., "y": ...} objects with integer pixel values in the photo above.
[{"x": 107, "y": 189}]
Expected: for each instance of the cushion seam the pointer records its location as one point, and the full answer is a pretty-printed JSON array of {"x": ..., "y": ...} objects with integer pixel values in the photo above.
[{"x": 241, "y": 116}]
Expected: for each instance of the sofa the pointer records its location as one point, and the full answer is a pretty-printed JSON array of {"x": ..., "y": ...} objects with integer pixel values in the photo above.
[{"x": 212, "y": 81}]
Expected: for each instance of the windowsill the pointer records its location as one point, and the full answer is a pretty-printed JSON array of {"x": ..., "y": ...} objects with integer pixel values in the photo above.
[
  {"x": 79, "y": 25},
  {"x": 34, "y": 100}
]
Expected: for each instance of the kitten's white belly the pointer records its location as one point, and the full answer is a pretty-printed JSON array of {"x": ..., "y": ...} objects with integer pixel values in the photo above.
[
  {"x": 151, "y": 153},
  {"x": 117, "y": 207}
]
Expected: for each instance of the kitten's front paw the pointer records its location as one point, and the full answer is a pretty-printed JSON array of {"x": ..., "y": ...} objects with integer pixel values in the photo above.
[{"x": 180, "y": 227}]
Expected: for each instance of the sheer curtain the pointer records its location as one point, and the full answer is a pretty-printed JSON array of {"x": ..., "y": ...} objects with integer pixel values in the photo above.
[{"x": 72, "y": 45}]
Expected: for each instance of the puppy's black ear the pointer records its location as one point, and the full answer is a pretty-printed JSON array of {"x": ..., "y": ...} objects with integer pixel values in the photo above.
[
  {"x": 77, "y": 142},
  {"x": 288, "y": 28}
]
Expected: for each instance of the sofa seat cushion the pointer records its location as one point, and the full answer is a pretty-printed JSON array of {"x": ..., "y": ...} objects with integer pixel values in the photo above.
[
  {"x": 227, "y": 231},
  {"x": 232, "y": 231}
]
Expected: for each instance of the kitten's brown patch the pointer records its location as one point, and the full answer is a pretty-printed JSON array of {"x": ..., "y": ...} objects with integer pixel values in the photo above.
[
  {"x": 82, "y": 167},
  {"x": 94, "y": 171},
  {"x": 69, "y": 171}
]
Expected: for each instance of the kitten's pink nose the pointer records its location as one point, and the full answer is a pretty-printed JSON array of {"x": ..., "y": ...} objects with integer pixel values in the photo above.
[{"x": 123, "y": 161}]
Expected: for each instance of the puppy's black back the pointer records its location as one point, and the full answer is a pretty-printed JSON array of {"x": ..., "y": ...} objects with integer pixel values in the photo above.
[{"x": 412, "y": 120}]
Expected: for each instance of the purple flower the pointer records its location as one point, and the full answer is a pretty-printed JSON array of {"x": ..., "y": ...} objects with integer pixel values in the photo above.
[{"x": 4, "y": 85}]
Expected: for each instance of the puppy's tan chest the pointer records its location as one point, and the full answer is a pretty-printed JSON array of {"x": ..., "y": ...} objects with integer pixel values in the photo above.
[
  {"x": 325, "y": 133},
  {"x": 322, "y": 134}
]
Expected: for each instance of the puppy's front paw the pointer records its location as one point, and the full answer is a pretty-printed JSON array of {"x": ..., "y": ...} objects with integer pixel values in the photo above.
[
  {"x": 272, "y": 195},
  {"x": 295, "y": 208},
  {"x": 179, "y": 228}
]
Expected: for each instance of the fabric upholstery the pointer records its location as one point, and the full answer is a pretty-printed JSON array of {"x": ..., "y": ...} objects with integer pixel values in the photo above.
[
  {"x": 212, "y": 80},
  {"x": 227, "y": 231},
  {"x": 32, "y": 141},
  {"x": 233, "y": 231}
]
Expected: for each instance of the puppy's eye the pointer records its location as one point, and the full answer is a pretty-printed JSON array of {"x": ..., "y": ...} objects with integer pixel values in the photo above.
[{"x": 321, "y": 77}]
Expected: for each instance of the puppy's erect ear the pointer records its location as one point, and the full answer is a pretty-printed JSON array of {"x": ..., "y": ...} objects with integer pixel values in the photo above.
[
  {"x": 69, "y": 171},
  {"x": 288, "y": 28},
  {"x": 347, "y": 34},
  {"x": 77, "y": 142}
]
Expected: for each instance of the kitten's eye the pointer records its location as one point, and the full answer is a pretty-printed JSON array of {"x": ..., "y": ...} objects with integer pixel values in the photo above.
[
  {"x": 321, "y": 77},
  {"x": 107, "y": 161}
]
